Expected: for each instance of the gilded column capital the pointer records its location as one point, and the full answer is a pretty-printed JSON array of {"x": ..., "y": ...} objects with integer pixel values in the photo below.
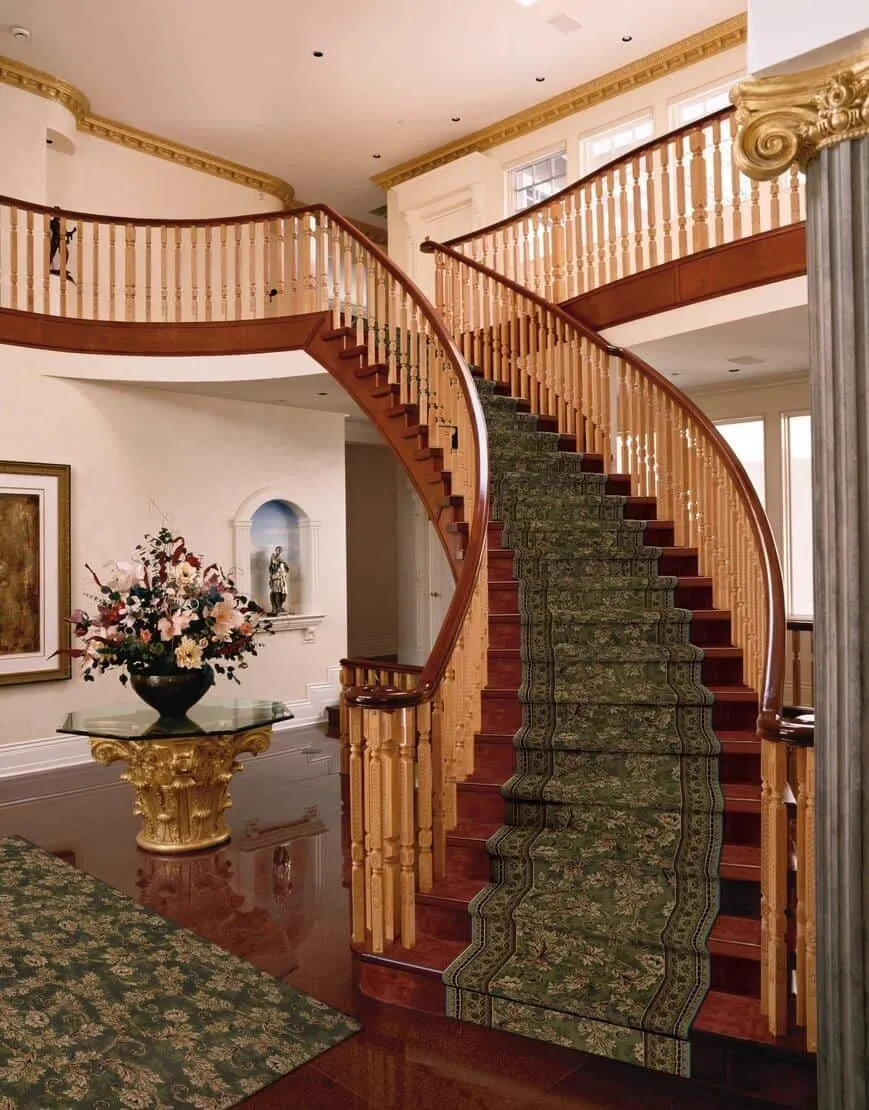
[{"x": 789, "y": 119}]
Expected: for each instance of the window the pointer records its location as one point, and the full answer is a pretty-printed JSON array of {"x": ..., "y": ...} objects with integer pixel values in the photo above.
[
  {"x": 798, "y": 514},
  {"x": 746, "y": 438},
  {"x": 701, "y": 104},
  {"x": 596, "y": 150},
  {"x": 538, "y": 180}
]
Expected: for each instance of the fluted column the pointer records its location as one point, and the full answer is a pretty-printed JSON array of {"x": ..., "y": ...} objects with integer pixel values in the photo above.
[{"x": 821, "y": 120}]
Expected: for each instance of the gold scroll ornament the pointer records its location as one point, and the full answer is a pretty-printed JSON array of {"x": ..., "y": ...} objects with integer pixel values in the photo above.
[
  {"x": 182, "y": 786},
  {"x": 792, "y": 118}
]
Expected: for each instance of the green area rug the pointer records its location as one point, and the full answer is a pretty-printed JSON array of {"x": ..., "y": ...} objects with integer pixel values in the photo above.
[
  {"x": 105, "y": 1004},
  {"x": 604, "y": 886}
]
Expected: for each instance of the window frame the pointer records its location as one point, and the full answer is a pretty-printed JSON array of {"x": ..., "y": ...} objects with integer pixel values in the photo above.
[
  {"x": 704, "y": 92},
  {"x": 586, "y": 168},
  {"x": 528, "y": 162}
]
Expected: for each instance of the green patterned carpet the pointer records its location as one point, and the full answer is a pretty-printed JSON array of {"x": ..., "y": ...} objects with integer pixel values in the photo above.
[
  {"x": 104, "y": 1004},
  {"x": 604, "y": 886}
]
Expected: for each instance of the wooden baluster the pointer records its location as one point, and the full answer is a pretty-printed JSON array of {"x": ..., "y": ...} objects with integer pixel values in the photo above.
[
  {"x": 373, "y": 725},
  {"x": 208, "y": 232},
  {"x": 149, "y": 276},
  {"x": 95, "y": 273},
  {"x": 717, "y": 185},
  {"x": 612, "y": 268},
  {"x": 253, "y": 269},
  {"x": 589, "y": 225},
  {"x": 438, "y": 790},
  {"x": 79, "y": 270},
  {"x": 774, "y": 871},
  {"x": 736, "y": 185},
  {"x": 652, "y": 225},
  {"x": 357, "y": 828},
  {"x": 406, "y": 720},
  {"x": 113, "y": 271},
  {"x": 666, "y": 201},
  {"x": 699, "y": 199},
  {"x": 424, "y": 796},
  {"x": 624, "y": 226},
  {"x": 13, "y": 257},
  {"x": 774, "y": 203},
  {"x": 637, "y": 214},
  {"x": 573, "y": 246},
  {"x": 600, "y": 229},
  {"x": 391, "y": 821},
  {"x": 177, "y": 276},
  {"x": 129, "y": 272},
  {"x": 754, "y": 209},
  {"x": 796, "y": 669},
  {"x": 558, "y": 288},
  {"x": 29, "y": 264},
  {"x": 799, "y": 790},
  {"x": 681, "y": 198},
  {"x": 62, "y": 267},
  {"x": 795, "y": 192}
]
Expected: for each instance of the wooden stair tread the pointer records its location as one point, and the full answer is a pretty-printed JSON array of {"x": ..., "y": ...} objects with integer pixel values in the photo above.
[
  {"x": 449, "y": 891},
  {"x": 740, "y": 861},
  {"x": 733, "y": 693},
  {"x": 429, "y": 956},
  {"x": 470, "y": 829},
  {"x": 741, "y": 797},
  {"x": 738, "y": 1016},
  {"x": 737, "y": 742}
]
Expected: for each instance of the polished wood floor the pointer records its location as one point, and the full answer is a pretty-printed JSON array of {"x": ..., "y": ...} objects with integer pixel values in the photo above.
[{"x": 275, "y": 896}]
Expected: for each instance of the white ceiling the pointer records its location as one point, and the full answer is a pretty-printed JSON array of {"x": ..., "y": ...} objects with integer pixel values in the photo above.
[
  {"x": 240, "y": 81},
  {"x": 305, "y": 391},
  {"x": 778, "y": 341}
]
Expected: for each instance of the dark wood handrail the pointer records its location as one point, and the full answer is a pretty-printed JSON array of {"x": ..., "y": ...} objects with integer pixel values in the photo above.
[
  {"x": 800, "y": 624},
  {"x": 652, "y": 144},
  {"x": 773, "y": 685},
  {"x": 797, "y": 726}
]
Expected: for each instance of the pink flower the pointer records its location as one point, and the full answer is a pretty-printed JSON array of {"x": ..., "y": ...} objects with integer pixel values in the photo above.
[
  {"x": 173, "y": 626},
  {"x": 226, "y": 617},
  {"x": 145, "y": 637}
]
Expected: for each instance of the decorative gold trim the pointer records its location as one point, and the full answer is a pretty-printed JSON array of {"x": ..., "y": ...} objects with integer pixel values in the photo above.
[
  {"x": 34, "y": 81},
  {"x": 714, "y": 40},
  {"x": 791, "y": 118}
]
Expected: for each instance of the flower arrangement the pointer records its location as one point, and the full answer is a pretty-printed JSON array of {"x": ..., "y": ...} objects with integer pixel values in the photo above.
[{"x": 164, "y": 613}]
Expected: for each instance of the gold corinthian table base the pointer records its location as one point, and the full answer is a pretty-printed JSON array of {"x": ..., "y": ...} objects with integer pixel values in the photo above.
[{"x": 182, "y": 785}]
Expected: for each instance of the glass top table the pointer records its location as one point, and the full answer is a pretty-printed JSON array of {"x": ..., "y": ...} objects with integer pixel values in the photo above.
[
  {"x": 180, "y": 769},
  {"x": 204, "y": 719}
]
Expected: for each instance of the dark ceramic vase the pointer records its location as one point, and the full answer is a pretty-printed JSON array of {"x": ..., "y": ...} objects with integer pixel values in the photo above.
[{"x": 173, "y": 694}]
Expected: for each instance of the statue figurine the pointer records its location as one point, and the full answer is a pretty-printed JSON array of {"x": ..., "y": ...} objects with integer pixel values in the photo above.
[
  {"x": 279, "y": 579},
  {"x": 54, "y": 247}
]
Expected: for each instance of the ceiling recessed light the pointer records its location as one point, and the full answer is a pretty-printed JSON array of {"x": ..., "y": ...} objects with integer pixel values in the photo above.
[
  {"x": 627, "y": 38},
  {"x": 22, "y": 34},
  {"x": 674, "y": 373},
  {"x": 734, "y": 370},
  {"x": 50, "y": 142},
  {"x": 539, "y": 79},
  {"x": 376, "y": 155},
  {"x": 318, "y": 53},
  {"x": 322, "y": 394},
  {"x": 456, "y": 119},
  {"x": 526, "y": 3}
]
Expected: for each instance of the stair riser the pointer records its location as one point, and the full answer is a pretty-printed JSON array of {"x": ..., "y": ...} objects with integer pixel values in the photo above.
[
  {"x": 640, "y": 509},
  {"x": 501, "y": 714},
  {"x": 449, "y": 922},
  {"x": 500, "y": 566},
  {"x": 678, "y": 565},
  {"x": 659, "y": 535},
  {"x": 741, "y": 898},
  {"x": 734, "y": 716},
  {"x": 692, "y": 597},
  {"x": 505, "y": 634},
  {"x": 467, "y": 860},
  {"x": 495, "y": 535},
  {"x": 742, "y": 828},
  {"x": 503, "y": 597},
  {"x": 736, "y": 976},
  {"x": 739, "y": 768},
  {"x": 709, "y": 633},
  {"x": 494, "y": 762},
  {"x": 401, "y": 987},
  {"x": 475, "y": 805}
]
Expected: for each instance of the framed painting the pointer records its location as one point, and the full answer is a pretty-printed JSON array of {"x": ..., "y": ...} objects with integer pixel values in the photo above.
[{"x": 34, "y": 572}]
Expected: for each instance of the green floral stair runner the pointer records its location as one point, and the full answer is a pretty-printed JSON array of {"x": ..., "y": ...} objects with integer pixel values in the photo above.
[
  {"x": 593, "y": 931},
  {"x": 105, "y": 1004}
]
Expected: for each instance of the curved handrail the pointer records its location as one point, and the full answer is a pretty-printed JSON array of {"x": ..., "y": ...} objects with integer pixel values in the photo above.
[
  {"x": 123, "y": 283},
  {"x": 601, "y": 171},
  {"x": 770, "y": 696}
]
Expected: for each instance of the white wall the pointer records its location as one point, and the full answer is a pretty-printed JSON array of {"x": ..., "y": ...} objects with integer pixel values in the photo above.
[
  {"x": 471, "y": 192},
  {"x": 83, "y": 173},
  {"x": 198, "y": 458},
  {"x": 105, "y": 178},
  {"x": 788, "y": 35}
]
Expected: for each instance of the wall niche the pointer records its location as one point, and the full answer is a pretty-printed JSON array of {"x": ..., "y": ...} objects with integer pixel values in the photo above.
[{"x": 276, "y": 560}]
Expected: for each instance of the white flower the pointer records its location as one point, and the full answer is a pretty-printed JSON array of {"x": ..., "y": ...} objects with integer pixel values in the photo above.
[
  {"x": 188, "y": 654},
  {"x": 185, "y": 574},
  {"x": 123, "y": 576}
]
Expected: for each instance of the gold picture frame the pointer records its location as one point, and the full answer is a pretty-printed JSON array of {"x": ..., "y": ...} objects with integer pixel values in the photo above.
[{"x": 34, "y": 572}]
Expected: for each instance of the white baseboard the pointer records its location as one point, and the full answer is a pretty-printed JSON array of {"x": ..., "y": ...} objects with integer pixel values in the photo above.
[{"x": 51, "y": 753}]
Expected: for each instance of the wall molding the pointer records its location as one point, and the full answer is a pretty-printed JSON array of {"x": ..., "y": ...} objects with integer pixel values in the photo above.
[
  {"x": 24, "y": 77},
  {"x": 714, "y": 40},
  {"x": 53, "y": 753}
]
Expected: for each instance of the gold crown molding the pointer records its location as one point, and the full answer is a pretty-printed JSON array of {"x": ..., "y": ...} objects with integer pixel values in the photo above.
[
  {"x": 34, "y": 81},
  {"x": 714, "y": 40},
  {"x": 792, "y": 118}
]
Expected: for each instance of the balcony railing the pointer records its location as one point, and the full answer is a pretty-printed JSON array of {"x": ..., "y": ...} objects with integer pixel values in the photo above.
[{"x": 673, "y": 197}]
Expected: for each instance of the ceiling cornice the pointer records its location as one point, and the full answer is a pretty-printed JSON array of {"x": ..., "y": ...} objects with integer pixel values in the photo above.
[
  {"x": 705, "y": 44},
  {"x": 34, "y": 81}
]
